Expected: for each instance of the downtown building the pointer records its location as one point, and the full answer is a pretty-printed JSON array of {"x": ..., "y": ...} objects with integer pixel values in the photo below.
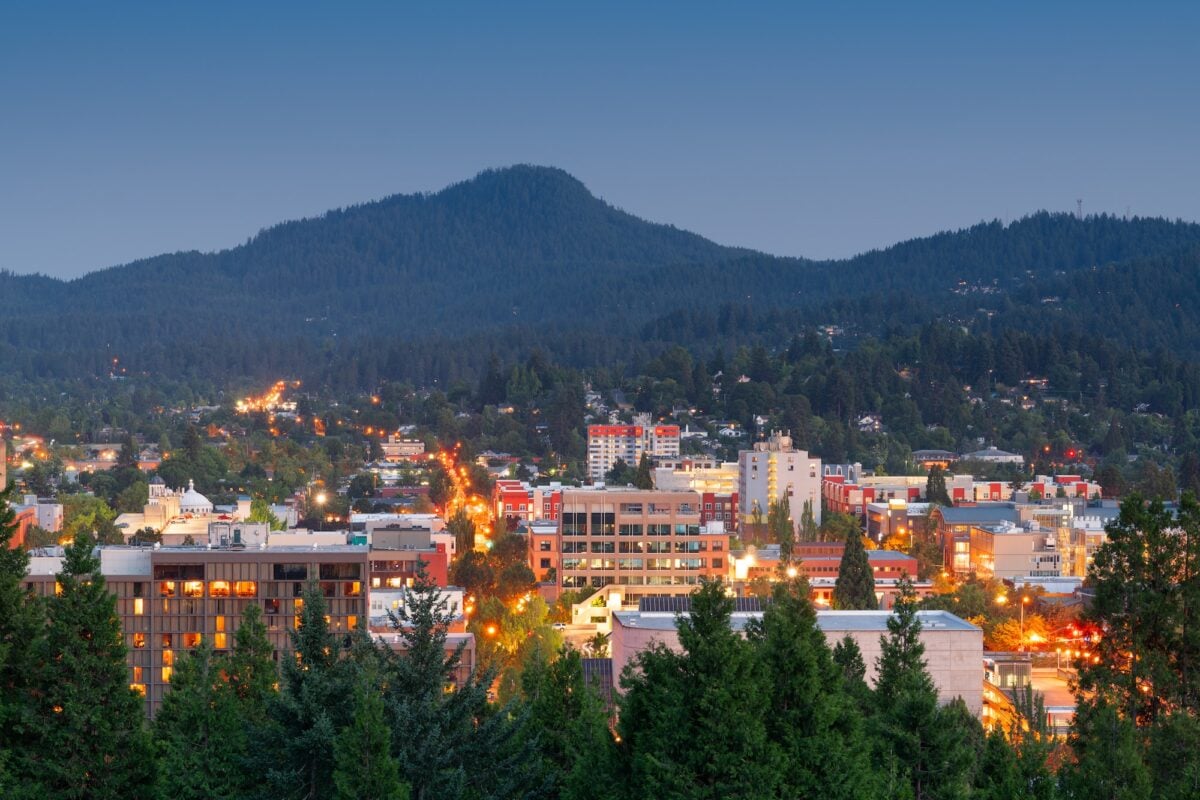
[
  {"x": 609, "y": 443},
  {"x": 774, "y": 470},
  {"x": 650, "y": 542}
]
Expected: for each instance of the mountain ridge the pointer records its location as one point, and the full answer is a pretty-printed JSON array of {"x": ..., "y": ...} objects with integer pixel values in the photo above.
[{"x": 531, "y": 247}]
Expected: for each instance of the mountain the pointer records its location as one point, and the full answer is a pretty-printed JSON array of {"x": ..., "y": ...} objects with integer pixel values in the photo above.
[{"x": 423, "y": 286}]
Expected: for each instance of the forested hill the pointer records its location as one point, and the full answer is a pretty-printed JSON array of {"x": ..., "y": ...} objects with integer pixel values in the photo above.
[{"x": 526, "y": 257}]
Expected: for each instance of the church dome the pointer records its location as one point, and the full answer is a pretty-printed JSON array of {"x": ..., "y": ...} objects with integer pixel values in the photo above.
[{"x": 192, "y": 502}]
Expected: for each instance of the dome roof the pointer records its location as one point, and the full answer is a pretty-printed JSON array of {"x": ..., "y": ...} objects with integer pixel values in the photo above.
[{"x": 194, "y": 501}]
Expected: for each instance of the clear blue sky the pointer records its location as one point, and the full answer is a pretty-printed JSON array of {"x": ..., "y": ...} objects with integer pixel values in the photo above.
[{"x": 128, "y": 130}]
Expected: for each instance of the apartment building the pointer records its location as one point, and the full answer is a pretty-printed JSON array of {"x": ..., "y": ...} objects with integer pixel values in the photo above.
[
  {"x": 717, "y": 483},
  {"x": 608, "y": 443},
  {"x": 170, "y": 598},
  {"x": 774, "y": 470},
  {"x": 649, "y": 541}
]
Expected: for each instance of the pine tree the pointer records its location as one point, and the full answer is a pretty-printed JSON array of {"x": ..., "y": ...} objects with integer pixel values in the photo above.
[
  {"x": 312, "y": 705},
  {"x": 572, "y": 728},
  {"x": 694, "y": 723},
  {"x": 935, "y": 487},
  {"x": 848, "y": 656},
  {"x": 1171, "y": 757},
  {"x": 808, "y": 523},
  {"x": 811, "y": 720},
  {"x": 364, "y": 766},
  {"x": 252, "y": 673},
  {"x": 91, "y": 739},
  {"x": 644, "y": 477},
  {"x": 199, "y": 735},
  {"x": 929, "y": 749},
  {"x": 449, "y": 744},
  {"x": 21, "y": 629},
  {"x": 1146, "y": 578},
  {"x": 855, "y": 585},
  {"x": 1108, "y": 761}
]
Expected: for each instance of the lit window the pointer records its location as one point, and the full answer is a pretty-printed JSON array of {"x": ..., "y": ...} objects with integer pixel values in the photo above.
[
  {"x": 140, "y": 688},
  {"x": 57, "y": 589},
  {"x": 166, "y": 674},
  {"x": 298, "y": 604},
  {"x": 218, "y": 589},
  {"x": 193, "y": 588},
  {"x": 166, "y": 588},
  {"x": 375, "y": 583},
  {"x": 168, "y": 658},
  {"x": 166, "y": 640},
  {"x": 219, "y": 641},
  {"x": 191, "y": 640},
  {"x": 137, "y": 674},
  {"x": 352, "y": 622},
  {"x": 395, "y": 583},
  {"x": 139, "y": 641},
  {"x": 245, "y": 588},
  {"x": 352, "y": 588},
  {"x": 139, "y": 606},
  {"x": 220, "y": 622}
]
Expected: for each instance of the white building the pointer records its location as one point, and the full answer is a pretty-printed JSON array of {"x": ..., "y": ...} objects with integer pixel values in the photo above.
[
  {"x": 609, "y": 443},
  {"x": 774, "y": 470}
]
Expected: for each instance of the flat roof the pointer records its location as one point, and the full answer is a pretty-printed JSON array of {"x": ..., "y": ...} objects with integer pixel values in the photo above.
[{"x": 847, "y": 621}]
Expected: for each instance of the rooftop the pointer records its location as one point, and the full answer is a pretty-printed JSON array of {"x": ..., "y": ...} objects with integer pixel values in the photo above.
[{"x": 826, "y": 620}]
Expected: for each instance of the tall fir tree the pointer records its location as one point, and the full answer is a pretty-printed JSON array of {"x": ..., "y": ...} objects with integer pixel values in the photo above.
[
  {"x": 644, "y": 477},
  {"x": 935, "y": 487},
  {"x": 91, "y": 739},
  {"x": 1146, "y": 578},
  {"x": 693, "y": 724},
  {"x": 200, "y": 738},
  {"x": 364, "y": 768},
  {"x": 855, "y": 585},
  {"x": 814, "y": 725},
  {"x": 449, "y": 743},
  {"x": 1108, "y": 761},
  {"x": 572, "y": 729},
  {"x": 21, "y": 629},
  {"x": 252, "y": 674},
  {"x": 313, "y": 703},
  {"x": 928, "y": 749}
]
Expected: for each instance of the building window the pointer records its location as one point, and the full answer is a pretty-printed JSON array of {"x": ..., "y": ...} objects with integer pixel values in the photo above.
[
  {"x": 291, "y": 572},
  {"x": 166, "y": 588},
  {"x": 166, "y": 643},
  {"x": 193, "y": 588},
  {"x": 139, "y": 606},
  {"x": 219, "y": 641},
  {"x": 139, "y": 641},
  {"x": 351, "y": 589},
  {"x": 191, "y": 640},
  {"x": 545, "y": 563},
  {"x": 166, "y": 674},
  {"x": 245, "y": 588},
  {"x": 544, "y": 546},
  {"x": 218, "y": 589},
  {"x": 272, "y": 606}
]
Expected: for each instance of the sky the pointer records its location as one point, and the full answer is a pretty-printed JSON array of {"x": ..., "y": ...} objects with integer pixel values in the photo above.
[{"x": 819, "y": 130}]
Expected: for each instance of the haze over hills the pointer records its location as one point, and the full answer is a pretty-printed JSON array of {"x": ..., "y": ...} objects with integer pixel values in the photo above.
[{"x": 526, "y": 257}]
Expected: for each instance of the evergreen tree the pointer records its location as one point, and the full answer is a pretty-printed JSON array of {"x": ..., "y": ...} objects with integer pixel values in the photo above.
[
  {"x": 449, "y": 744},
  {"x": 364, "y": 767},
  {"x": 200, "y": 737},
  {"x": 90, "y": 740},
  {"x": 644, "y": 477},
  {"x": 848, "y": 656},
  {"x": 572, "y": 728},
  {"x": 855, "y": 585},
  {"x": 808, "y": 523},
  {"x": 1146, "y": 578},
  {"x": 312, "y": 705},
  {"x": 935, "y": 487},
  {"x": 693, "y": 724},
  {"x": 812, "y": 722},
  {"x": 21, "y": 629},
  {"x": 928, "y": 749},
  {"x": 251, "y": 670},
  {"x": 1108, "y": 763},
  {"x": 1171, "y": 757}
]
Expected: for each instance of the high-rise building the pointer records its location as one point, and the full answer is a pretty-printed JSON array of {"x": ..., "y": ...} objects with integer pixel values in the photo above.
[
  {"x": 608, "y": 443},
  {"x": 774, "y": 470}
]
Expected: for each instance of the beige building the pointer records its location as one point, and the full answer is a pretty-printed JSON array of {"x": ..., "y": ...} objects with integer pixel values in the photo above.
[
  {"x": 953, "y": 647},
  {"x": 774, "y": 470},
  {"x": 649, "y": 541}
]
